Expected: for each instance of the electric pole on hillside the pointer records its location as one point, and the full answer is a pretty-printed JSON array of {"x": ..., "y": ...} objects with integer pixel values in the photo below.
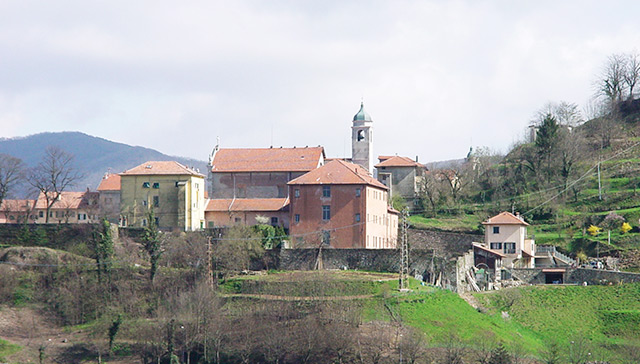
[
  {"x": 404, "y": 250},
  {"x": 599, "y": 183},
  {"x": 209, "y": 263}
]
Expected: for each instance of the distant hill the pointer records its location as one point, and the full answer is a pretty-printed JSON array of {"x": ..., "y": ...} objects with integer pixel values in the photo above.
[{"x": 93, "y": 156}]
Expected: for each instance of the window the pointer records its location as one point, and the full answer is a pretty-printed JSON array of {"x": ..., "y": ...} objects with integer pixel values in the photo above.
[
  {"x": 326, "y": 191},
  {"x": 358, "y": 192},
  {"x": 496, "y": 229},
  {"x": 326, "y": 212},
  {"x": 296, "y": 193},
  {"x": 274, "y": 221},
  {"x": 145, "y": 185},
  {"x": 237, "y": 219},
  {"x": 156, "y": 201},
  {"x": 144, "y": 222},
  {"x": 144, "y": 202},
  {"x": 360, "y": 135},
  {"x": 156, "y": 185},
  {"x": 296, "y": 218},
  {"x": 357, "y": 217},
  {"x": 157, "y": 220},
  {"x": 41, "y": 213},
  {"x": 210, "y": 223},
  {"x": 496, "y": 246},
  {"x": 509, "y": 248}
]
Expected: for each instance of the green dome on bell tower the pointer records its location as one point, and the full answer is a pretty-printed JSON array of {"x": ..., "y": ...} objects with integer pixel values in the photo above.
[{"x": 362, "y": 115}]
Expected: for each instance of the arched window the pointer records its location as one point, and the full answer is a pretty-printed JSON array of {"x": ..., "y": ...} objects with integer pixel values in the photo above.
[{"x": 360, "y": 135}]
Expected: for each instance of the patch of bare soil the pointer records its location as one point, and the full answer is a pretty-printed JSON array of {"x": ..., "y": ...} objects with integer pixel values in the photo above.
[
  {"x": 33, "y": 329},
  {"x": 39, "y": 256}
]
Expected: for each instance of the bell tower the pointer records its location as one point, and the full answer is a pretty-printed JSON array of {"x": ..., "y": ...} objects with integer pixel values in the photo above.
[{"x": 361, "y": 139}]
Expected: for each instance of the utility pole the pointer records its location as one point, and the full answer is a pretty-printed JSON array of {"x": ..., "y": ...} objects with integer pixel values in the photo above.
[
  {"x": 209, "y": 263},
  {"x": 599, "y": 183},
  {"x": 404, "y": 250}
]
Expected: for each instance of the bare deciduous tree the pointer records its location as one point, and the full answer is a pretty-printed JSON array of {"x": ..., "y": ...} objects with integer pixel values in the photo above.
[
  {"x": 632, "y": 73},
  {"x": 53, "y": 175},
  {"x": 612, "y": 84},
  {"x": 10, "y": 172}
]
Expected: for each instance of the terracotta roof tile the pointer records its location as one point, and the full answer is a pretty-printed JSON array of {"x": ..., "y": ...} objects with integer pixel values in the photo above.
[
  {"x": 338, "y": 172},
  {"x": 397, "y": 161},
  {"x": 505, "y": 218},
  {"x": 110, "y": 182},
  {"x": 482, "y": 247},
  {"x": 16, "y": 205},
  {"x": 268, "y": 159},
  {"x": 247, "y": 204},
  {"x": 69, "y": 200},
  {"x": 160, "y": 168}
]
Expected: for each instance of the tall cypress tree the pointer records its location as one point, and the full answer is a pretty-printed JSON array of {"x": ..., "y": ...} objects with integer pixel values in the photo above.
[{"x": 546, "y": 140}]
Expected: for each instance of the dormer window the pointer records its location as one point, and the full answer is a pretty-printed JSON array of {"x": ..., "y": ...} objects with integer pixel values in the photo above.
[{"x": 146, "y": 185}]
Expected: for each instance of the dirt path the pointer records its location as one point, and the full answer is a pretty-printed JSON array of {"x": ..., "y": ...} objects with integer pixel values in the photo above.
[
  {"x": 470, "y": 300},
  {"x": 297, "y": 298}
]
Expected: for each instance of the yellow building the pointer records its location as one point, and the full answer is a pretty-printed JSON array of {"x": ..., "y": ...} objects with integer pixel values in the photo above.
[{"x": 174, "y": 192}]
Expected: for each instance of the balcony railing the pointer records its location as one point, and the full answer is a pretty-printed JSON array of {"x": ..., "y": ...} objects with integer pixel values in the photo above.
[{"x": 544, "y": 249}]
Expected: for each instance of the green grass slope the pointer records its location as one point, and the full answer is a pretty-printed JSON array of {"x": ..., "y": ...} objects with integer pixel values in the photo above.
[
  {"x": 440, "y": 314},
  {"x": 607, "y": 316}
]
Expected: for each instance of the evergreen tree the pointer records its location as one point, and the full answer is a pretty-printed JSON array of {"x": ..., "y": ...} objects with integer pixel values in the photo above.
[
  {"x": 546, "y": 140},
  {"x": 103, "y": 246},
  {"x": 152, "y": 243},
  {"x": 500, "y": 356}
]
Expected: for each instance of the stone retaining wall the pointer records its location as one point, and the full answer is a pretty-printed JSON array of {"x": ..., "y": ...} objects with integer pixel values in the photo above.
[
  {"x": 577, "y": 276},
  {"x": 421, "y": 262}
]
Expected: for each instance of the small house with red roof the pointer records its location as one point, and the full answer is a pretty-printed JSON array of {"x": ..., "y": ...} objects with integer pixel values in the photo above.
[
  {"x": 340, "y": 205},
  {"x": 109, "y": 192},
  {"x": 173, "y": 191},
  {"x": 506, "y": 234},
  {"x": 71, "y": 207},
  {"x": 402, "y": 175},
  {"x": 17, "y": 211}
]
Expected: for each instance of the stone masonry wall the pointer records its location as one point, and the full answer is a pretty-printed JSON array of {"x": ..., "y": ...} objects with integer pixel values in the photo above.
[
  {"x": 445, "y": 244},
  {"x": 577, "y": 276},
  {"x": 421, "y": 262}
]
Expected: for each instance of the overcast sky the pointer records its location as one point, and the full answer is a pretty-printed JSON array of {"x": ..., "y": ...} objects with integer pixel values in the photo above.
[{"x": 436, "y": 76}]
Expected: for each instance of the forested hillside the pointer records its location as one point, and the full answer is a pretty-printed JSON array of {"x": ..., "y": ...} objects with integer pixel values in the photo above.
[{"x": 575, "y": 181}]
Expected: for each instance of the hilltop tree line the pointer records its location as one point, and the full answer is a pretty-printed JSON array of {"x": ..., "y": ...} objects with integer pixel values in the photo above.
[{"x": 560, "y": 148}]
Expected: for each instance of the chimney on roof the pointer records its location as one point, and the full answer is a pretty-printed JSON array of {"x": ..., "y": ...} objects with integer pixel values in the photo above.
[
  {"x": 519, "y": 216},
  {"x": 416, "y": 159}
]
